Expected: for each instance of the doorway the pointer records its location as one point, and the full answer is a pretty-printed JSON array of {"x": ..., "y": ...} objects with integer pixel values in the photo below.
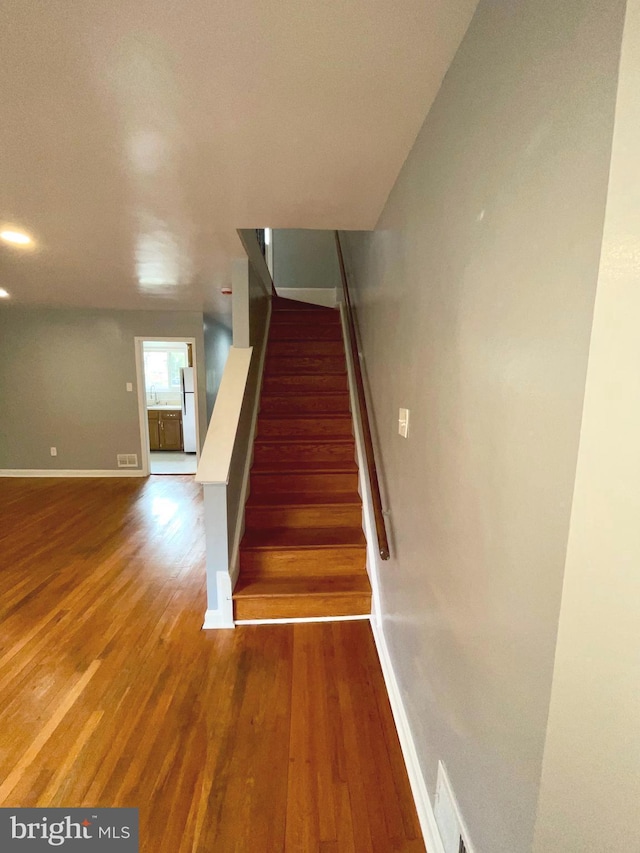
[{"x": 168, "y": 404}]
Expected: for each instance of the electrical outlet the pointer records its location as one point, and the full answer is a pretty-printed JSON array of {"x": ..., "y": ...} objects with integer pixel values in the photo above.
[
  {"x": 129, "y": 386},
  {"x": 54, "y": 451}
]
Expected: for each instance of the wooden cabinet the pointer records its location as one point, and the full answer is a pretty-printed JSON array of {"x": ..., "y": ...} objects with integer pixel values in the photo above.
[
  {"x": 154, "y": 429},
  {"x": 165, "y": 429},
  {"x": 171, "y": 430}
]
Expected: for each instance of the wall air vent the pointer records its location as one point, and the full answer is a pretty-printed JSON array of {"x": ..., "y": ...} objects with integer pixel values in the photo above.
[{"x": 127, "y": 460}]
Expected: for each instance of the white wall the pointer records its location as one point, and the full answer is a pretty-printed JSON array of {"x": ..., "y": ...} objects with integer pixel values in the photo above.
[
  {"x": 475, "y": 297},
  {"x": 591, "y": 779}
]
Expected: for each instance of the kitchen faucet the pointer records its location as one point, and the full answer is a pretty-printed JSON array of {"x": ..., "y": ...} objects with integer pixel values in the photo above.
[{"x": 153, "y": 394}]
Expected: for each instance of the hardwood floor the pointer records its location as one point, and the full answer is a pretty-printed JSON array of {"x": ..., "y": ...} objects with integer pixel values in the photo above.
[{"x": 266, "y": 738}]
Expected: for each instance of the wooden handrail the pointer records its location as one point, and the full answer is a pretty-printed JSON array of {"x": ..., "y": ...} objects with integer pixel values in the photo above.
[{"x": 383, "y": 544}]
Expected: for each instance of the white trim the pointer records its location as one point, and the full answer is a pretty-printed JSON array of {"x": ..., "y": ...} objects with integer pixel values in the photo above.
[
  {"x": 368, "y": 517},
  {"x": 426, "y": 816},
  {"x": 249, "y": 240},
  {"x": 325, "y": 296},
  {"x": 143, "y": 418},
  {"x": 269, "y": 250},
  {"x": 145, "y": 448},
  {"x": 234, "y": 565},
  {"x": 222, "y": 615},
  {"x": 293, "y": 620},
  {"x": 72, "y": 472},
  {"x": 223, "y": 426},
  {"x": 448, "y": 816},
  {"x": 215, "y": 620}
]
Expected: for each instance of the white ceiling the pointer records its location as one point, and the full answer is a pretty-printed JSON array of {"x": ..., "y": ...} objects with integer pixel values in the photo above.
[{"x": 135, "y": 137}]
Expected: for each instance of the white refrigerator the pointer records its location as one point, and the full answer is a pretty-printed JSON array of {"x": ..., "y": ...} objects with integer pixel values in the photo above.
[{"x": 188, "y": 410}]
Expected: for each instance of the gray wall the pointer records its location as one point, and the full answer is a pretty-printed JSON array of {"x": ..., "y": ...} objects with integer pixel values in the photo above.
[
  {"x": 259, "y": 305},
  {"x": 217, "y": 340},
  {"x": 305, "y": 259},
  {"x": 475, "y": 297},
  {"x": 63, "y": 375}
]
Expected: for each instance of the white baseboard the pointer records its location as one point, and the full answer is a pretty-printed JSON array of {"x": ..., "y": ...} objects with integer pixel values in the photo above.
[
  {"x": 325, "y": 296},
  {"x": 216, "y": 619},
  {"x": 294, "y": 620},
  {"x": 222, "y": 615},
  {"x": 426, "y": 815},
  {"x": 73, "y": 472}
]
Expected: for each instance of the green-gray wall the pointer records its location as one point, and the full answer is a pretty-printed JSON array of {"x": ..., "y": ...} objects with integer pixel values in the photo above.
[
  {"x": 217, "y": 340},
  {"x": 475, "y": 299},
  {"x": 63, "y": 375},
  {"x": 305, "y": 259}
]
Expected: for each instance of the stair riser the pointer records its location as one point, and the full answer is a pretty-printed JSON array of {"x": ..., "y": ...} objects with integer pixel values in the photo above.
[
  {"x": 305, "y": 348},
  {"x": 328, "y": 562},
  {"x": 290, "y": 607},
  {"x": 299, "y": 403},
  {"x": 303, "y": 516},
  {"x": 296, "y": 364},
  {"x": 286, "y": 483},
  {"x": 304, "y": 427},
  {"x": 297, "y": 332},
  {"x": 284, "y": 452},
  {"x": 305, "y": 384},
  {"x": 306, "y": 318}
]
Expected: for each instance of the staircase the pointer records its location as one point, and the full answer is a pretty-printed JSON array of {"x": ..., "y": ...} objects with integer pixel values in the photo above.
[{"x": 303, "y": 551}]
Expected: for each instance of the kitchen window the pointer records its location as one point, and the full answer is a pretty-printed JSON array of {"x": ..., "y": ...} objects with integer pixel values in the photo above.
[{"x": 162, "y": 368}]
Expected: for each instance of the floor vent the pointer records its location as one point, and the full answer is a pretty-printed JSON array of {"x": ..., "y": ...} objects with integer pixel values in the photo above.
[{"x": 127, "y": 460}]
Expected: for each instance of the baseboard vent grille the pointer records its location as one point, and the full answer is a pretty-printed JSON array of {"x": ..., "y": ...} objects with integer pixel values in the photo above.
[{"x": 127, "y": 460}]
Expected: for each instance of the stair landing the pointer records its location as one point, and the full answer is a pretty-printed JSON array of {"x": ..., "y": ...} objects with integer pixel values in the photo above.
[{"x": 303, "y": 552}]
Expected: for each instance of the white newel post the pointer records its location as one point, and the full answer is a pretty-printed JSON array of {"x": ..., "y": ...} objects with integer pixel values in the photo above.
[
  {"x": 213, "y": 473},
  {"x": 224, "y": 524},
  {"x": 219, "y": 589}
]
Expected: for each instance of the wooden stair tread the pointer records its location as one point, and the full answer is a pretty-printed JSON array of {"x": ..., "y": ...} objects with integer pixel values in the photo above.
[
  {"x": 306, "y": 585},
  {"x": 283, "y": 303},
  {"x": 305, "y": 416},
  {"x": 292, "y": 440},
  {"x": 291, "y": 317},
  {"x": 284, "y": 538},
  {"x": 296, "y": 392},
  {"x": 317, "y": 499},
  {"x": 286, "y": 365},
  {"x": 293, "y": 466}
]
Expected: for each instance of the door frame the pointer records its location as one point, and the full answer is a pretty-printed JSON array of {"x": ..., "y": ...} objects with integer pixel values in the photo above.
[{"x": 142, "y": 394}]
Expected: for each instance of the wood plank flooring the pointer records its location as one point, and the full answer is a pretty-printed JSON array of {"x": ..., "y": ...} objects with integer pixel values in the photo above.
[{"x": 262, "y": 739}]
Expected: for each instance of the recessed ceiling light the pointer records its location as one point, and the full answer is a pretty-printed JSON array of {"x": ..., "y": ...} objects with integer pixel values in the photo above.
[
  {"x": 4, "y": 294},
  {"x": 18, "y": 238}
]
